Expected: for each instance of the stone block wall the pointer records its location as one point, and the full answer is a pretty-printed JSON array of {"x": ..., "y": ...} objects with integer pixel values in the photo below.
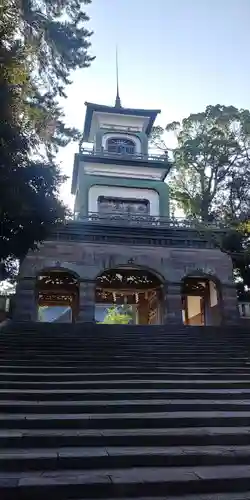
[{"x": 88, "y": 260}]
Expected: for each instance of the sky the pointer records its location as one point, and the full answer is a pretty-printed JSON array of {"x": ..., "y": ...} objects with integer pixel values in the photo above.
[{"x": 175, "y": 55}]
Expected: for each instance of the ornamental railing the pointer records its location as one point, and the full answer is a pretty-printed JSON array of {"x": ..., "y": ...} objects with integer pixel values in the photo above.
[
  {"x": 105, "y": 153},
  {"x": 119, "y": 219}
]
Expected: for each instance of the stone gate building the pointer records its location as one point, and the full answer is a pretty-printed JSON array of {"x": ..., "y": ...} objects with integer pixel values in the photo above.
[{"x": 122, "y": 247}]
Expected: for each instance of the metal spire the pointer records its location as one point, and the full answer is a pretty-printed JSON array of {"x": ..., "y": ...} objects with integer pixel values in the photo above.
[{"x": 117, "y": 99}]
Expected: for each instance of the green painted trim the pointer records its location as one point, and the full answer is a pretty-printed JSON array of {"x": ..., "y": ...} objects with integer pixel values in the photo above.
[
  {"x": 87, "y": 181},
  {"x": 99, "y": 158}
]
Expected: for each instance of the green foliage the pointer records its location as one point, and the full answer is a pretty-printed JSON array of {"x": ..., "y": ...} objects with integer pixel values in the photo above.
[
  {"x": 210, "y": 175},
  {"x": 237, "y": 244},
  {"x": 113, "y": 316},
  {"x": 210, "y": 178},
  {"x": 40, "y": 44}
]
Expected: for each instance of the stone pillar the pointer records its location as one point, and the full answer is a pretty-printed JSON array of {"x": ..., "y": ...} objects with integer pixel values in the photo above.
[
  {"x": 229, "y": 305},
  {"x": 87, "y": 302},
  {"x": 143, "y": 309},
  {"x": 24, "y": 303},
  {"x": 172, "y": 304}
]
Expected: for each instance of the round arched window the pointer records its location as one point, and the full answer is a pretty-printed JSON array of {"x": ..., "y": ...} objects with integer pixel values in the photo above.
[{"x": 120, "y": 146}]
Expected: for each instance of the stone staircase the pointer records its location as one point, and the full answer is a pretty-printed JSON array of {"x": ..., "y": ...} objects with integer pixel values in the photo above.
[{"x": 100, "y": 411}]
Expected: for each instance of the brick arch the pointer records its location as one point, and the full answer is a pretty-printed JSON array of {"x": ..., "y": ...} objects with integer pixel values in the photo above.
[
  {"x": 213, "y": 313},
  {"x": 122, "y": 135},
  {"x": 140, "y": 286},
  {"x": 133, "y": 267},
  {"x": 115, "y": 261},
  {"x": 59, "y": 269},
  {"x": 60, "y": 293},
  {"x": 199, "y": 274}
]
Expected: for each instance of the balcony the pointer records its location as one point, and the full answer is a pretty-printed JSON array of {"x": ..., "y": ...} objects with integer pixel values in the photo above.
[
  {"x": 124, "y": 154},
  {"x": 127, "y": 229},
  {"x": 128, "y": 219}
]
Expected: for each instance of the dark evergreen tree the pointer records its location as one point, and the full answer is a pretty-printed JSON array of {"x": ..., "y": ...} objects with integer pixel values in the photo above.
[{"x": 40, "y": 44}]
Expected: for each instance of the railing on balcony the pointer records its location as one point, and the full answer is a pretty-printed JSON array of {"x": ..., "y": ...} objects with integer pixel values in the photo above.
[
  {"x": 120, "y": 219},
  {"x": 125, "y": 154}
]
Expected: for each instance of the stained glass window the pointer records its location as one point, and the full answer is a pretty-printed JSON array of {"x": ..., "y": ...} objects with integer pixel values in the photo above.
[
  {"x": 121, "y": 146},
  {"x": 123, "y": 206}
]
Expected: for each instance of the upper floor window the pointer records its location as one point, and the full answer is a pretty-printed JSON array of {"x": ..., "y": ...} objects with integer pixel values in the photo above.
[{"x": 120, "y": 146}]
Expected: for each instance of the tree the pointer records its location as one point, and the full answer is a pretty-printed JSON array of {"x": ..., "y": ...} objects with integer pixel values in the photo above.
[
  {"x": 237, "y": 244},
  {"x": 210, "y": 175},
  {"x": 210, "y": 178},
  {"x": 40, "y": 44}
]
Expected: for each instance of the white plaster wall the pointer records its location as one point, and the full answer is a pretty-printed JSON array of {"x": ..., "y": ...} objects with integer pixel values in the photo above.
[
  {"x": 124, "y": 192},
  {"x": 123, "y": 121},
  {"x": 194, "y": 307},
  {"x": 133, "y": 138},
  {"x": 123, "y": 171}
]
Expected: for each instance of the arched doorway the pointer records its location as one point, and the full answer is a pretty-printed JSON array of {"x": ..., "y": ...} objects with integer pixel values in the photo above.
[
  {"x": 120, "y": 145},
  {"x": 133, "y": 292},
  {"x": 57, "y": 295},
  {"x": 201, "y": 301}
]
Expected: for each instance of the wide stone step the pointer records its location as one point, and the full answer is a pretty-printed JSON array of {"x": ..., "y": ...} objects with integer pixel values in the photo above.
[
  {"x": 117, "y": 394},
  {"x": 123, "y": 361},
  {"x": 191, "y": 436},
  {"x": 127, "y": 383},
  {"x": 123, "y": 406},
  {"x": 102, "y": 350},
  {"x": 78, "y": 377},
  {"x": 110, "y": 483},
  {"x": 210, "y": 496},
  {"x": 95, "y": 344},
  {"x": 97, "y": 332},
  {"x": 90, "y": 344},
  {"x": 142, "y": 359},
  {"x": 14, "y": 371},
  {"x": 54, "y": 362},
  {"x": 135, "y": 420},
  {"x": 38, "y": 328},
  {"x": 175, "y": 338},
  {"x": 130, "y": 347},
  {"x": 120, "y": 366},
  {"x": 172, "y": 337},
  {"x": 23, "y": 353},
  {"x": 130, "y": 340},
  {"x": 79, "y": 328},
  {"x": 73, "y": 367},
  {"x": 121, "y": 457}
]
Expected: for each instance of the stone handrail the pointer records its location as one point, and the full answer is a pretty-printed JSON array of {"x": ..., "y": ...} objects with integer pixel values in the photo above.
[
  {"x": 124, "y": 155},
  {"x": 146, "y": 220}
]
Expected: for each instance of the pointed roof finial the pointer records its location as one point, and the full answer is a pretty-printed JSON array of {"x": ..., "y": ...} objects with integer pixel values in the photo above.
[{"x": 117, "y": 99}]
